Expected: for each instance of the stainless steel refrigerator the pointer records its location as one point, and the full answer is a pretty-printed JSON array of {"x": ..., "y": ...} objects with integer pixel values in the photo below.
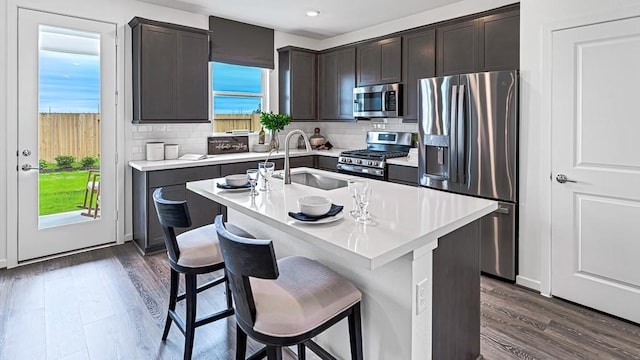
[{"x": 468, "y": 126}]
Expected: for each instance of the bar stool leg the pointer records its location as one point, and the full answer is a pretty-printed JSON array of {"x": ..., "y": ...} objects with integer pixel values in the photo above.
[
  {"x": 173, "y": 299},
  {"x": 241, "y": 343},
  {"x": 302, "y": 352},
  {"x": 192, "y": 293},
  {"x": 274, "y": 352},
  {"x": 355, "y": 333}
]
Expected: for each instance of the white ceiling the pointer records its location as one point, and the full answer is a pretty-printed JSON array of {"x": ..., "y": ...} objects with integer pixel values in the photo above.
[{"x": 336, "y": 16}]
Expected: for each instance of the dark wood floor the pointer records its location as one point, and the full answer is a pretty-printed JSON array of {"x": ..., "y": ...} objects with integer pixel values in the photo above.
[{"x": 111, "y": 303}]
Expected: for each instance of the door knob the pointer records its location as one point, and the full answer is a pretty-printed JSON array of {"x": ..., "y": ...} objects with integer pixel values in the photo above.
[
  {"x": 27, "y": 167},
  {"x": 562, "y": 178},
  {"x": 26, "y": 152}
]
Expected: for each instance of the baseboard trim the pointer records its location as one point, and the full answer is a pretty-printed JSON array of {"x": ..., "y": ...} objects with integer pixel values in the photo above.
[
  {"x": 3, "y": 263},
  {"x": 128, "y": 237},
  {"x": 528, "y": 283}
]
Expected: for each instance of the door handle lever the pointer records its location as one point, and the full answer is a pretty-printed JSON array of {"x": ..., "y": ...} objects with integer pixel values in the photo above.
[
  {"x": 27, "y": 167},
  {"x": 562, "y": 178}
]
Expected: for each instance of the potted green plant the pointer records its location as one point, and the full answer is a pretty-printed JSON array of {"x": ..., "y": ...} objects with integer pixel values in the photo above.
[{"x": 274, "y": 123}]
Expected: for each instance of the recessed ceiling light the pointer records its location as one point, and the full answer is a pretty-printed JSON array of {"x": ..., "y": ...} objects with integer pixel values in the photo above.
[{"x": 313, "y": 13}]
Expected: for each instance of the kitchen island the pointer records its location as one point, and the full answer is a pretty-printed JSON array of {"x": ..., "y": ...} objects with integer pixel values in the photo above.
[{"x": 417, "y": 264}]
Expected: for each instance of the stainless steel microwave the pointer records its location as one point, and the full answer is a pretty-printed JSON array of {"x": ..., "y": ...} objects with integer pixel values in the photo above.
[{"x": 377, "y": 101}]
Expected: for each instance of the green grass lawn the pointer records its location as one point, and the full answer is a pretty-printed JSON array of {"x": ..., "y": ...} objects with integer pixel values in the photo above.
[{"x": 62, "y": 191}]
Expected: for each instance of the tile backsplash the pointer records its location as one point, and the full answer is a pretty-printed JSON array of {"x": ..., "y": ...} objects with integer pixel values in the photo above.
[{"x": 192, "y": 138}]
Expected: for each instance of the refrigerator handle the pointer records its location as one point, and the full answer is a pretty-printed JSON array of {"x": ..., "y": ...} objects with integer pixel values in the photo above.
[
  {"x": 461, "y": 139},
  {"x": 453, "y": 166}
]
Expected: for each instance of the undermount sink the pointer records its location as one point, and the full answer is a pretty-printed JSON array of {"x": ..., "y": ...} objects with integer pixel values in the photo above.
[{"x": 315, "y": 180}]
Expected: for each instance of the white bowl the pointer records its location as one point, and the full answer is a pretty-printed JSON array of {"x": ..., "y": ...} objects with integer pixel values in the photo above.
[
  {"x": 236, "y": 180},
  {"x": 314, "y": 205}
]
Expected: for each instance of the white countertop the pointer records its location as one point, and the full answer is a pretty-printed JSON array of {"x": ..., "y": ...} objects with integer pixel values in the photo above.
[
  {"x": 144, "y": 165},
  {"x": 406, "y": 218}
]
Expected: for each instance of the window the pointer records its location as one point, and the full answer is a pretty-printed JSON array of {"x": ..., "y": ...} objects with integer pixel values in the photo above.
[{"x": 238, "y": 96}]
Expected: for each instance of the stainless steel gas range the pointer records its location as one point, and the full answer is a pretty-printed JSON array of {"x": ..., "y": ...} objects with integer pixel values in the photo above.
[{"x": 371, "y": 162}]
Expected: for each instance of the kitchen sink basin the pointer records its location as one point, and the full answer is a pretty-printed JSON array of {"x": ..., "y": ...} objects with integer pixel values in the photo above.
[{"x": 315, "y": 180}]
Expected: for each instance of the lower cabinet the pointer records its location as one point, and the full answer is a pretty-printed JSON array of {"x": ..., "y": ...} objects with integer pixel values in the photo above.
[
  {"x": 147, "y": 232},
  {"x": 407, "y": 175},
  {"x": 327, "y": 163}
]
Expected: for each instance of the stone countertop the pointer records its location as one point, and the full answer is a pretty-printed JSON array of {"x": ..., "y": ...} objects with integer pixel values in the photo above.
[
  {"x": 406, "y": 220},
  {"x": 144, "y": 165}
]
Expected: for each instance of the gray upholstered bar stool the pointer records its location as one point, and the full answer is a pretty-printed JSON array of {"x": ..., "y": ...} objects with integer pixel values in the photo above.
[
  {"x": 191, "y": 253},
  {"x": 285, "y": 302}
]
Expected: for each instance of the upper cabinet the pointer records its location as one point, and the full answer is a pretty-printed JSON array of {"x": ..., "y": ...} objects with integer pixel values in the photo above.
[
  {"x": 499, "y": 41},
  {"x": 337, "y": 74},
  {"x": 418, "y": 62},
  {"x": 486, "y": 43},
  {"x": 297, "y": 72},
  {"x": 457, "y": 48},
  {"x": 379, "y": 62},
  {"x": 170, "y": 72}
]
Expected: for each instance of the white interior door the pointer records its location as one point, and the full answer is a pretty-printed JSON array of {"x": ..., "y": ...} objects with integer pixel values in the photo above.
[
  {"x": 595, "y": 142},
  {"x": 66, "y": 107}
]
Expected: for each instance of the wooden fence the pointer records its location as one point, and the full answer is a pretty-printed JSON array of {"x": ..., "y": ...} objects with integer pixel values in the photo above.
[
  {"x": 68, "y": 134},
  {"x": 228, "y": 122},
  {"x": 79, "y": 134}
]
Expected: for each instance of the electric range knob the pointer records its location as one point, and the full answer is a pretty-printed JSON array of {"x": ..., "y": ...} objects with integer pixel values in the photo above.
[
  {"x": 374, "y": 163},
  {"x": 358, "y": 161}
]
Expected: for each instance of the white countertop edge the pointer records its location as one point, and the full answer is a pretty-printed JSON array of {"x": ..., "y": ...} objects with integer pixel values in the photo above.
[{"x": 145, "y": 165}]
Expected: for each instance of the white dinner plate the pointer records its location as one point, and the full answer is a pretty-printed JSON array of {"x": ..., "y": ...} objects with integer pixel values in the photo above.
[{"x": 326, "y": 220}]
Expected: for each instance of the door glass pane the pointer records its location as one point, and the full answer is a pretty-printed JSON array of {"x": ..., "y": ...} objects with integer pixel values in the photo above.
[{"x": 68, "y": 126}]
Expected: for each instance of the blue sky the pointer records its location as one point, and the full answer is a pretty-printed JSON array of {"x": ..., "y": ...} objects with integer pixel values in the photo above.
[
  {"x": 236, "y": 79},
  {"x": 71, "y": 83}
]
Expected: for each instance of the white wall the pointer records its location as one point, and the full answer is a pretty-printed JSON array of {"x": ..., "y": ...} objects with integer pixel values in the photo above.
[{"x": 537, "y": 16}]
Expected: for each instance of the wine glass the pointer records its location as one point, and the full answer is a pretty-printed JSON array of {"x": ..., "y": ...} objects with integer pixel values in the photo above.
[
  {"x": 355, "y": 186},
  {"x": 363, "y": 197},
  {"x": 266, "y": 169},
  {"x": 252, "y": 176}
]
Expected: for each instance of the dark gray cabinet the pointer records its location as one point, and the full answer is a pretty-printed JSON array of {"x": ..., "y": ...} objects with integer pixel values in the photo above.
[
  {"x": 379, "y": 62},
  {"x": 486, "y": 43},
  {"x": 147, "y": 232},
  {"x": 418, "y": 62},
  {"x": 170, "y": 72},
  {"x": 457, "y": 51},
  {"x": 327, "y": 163},
  {"x": 499, "y": 46},
  {"x": 407, "y": 175},
  {"x": 297, "y": 74},
  {"x": 337, "y": 74}
]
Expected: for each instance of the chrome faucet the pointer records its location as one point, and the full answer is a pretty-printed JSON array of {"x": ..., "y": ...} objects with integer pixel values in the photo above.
[{"x": 287, "y": 166}]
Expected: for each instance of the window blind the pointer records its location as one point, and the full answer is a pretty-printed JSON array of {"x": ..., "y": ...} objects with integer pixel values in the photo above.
[{"x": 238, "y": 43}]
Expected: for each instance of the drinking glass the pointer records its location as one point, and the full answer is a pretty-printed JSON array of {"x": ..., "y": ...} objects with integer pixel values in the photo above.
[
  {"x": 353, "y": 185},
  {"x": 363, "y": 197},
  {"x": 252, "y": 176},
  {"x": 266, "y": 169}
]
